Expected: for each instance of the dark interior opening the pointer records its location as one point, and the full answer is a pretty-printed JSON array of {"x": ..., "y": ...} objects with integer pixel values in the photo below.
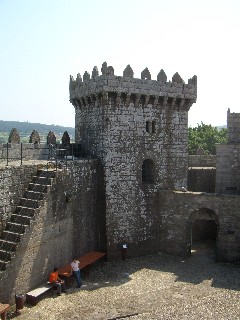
[{"x": 204, "y": 231}]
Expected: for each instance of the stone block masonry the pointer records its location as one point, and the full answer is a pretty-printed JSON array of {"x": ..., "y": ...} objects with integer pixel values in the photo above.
[
  {"x": 138, "y": 130},
  {"x": 13, "y": 181},
  {"x": 70, "y": 221}
]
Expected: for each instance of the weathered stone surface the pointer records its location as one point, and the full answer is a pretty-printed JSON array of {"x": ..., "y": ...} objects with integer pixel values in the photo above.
[
  {"x": 14, "y": 136},
  {"x": 162, "y": 76},
  {"x": 34, "y": 137},
  {"x": 65, "y": 139},
  {"x": 146, "y": 74},
  {"x": 177, "y": 78},
  {"x": 128, "y": 72},
  {"x": 51, "y": 138},
  {"x": 95, "y": 72}
]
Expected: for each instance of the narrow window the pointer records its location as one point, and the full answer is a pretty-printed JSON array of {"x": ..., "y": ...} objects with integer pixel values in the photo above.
[
  {"x": 148, "y": 171},
  {"x": 147, "y": 126},
  {"x": 154, "y": 127}
]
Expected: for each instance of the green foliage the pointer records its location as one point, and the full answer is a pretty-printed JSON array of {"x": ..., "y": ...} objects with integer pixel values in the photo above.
[{"x": 205, "y": 136}]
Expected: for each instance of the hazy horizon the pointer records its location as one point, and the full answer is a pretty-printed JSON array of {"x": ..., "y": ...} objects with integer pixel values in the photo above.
[{"x": 44, "y": 42}]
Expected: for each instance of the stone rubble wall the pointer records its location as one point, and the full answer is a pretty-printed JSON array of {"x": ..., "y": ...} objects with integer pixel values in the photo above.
[
  {"x": 201, "y": 179},
  {"x": 228, "y": 168},
  {"x": 13, "y": 182},
  {"x": 30, "y": 151},
  {"x": 176, "y": 209},
  {"x": 233, "y": 127},
  {"x": 69, "y": 223},
  {"x": 202, "y": 161}
]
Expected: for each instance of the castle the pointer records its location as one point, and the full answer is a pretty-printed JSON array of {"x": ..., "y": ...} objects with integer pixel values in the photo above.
[{"x": 135, "y": 184}]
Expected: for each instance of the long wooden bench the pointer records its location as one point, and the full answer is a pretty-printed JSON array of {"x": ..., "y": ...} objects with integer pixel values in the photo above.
[
  {"x": 85, "y": 261},
  {"x": 32, "y": 296},
  {"x": 3, "y": 310},
  {"x": 66, "y": 271}
]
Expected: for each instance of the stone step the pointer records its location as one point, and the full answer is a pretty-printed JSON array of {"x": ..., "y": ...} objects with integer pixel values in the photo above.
[
  {"x": 42, "y": 180},
  {"x": 2, "y": 265},
  {"x": 5, "y": 255},
  {"x": 21, "y": 219},
  {"x": 10, "y": 236},
  {"x": 8, "y": 245},
  {"x": 47, "y": 173},
  {"x": 16, "y": 227},
  {"x": 34, "y": 195},
  {"x": 38, "y": 187},
  {"x": 24, "y": 211},
  {"x": 29, "y": 203}
]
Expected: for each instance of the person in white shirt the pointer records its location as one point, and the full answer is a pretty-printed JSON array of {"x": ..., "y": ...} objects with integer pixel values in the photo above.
[{"x": 75, "y": 264}]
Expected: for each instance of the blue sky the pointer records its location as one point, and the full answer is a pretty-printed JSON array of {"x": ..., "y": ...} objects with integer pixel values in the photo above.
[{"x": 43, "y": 42}]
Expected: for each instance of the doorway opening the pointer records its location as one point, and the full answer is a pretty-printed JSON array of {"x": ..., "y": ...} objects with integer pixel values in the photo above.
[{"x": 203, "y": 231}]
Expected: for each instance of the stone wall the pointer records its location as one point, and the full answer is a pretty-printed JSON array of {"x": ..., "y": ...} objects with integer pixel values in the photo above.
[
  {"x": 201, "y": 179},
  {"x": 28, "y": 151},
  {"x": 176, "y": 210},
  {"x": 233, "y": 127},
  {"x": 228, "y": 168},
  {"x": 138, "y": 129},
  {"x": 69, "y": 223},
  {"x": 202, "y": 161},
  {"x": 13, "y": 182}
]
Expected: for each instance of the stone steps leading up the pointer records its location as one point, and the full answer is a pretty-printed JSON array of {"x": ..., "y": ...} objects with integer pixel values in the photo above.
[{"x": 24, "y": 213}]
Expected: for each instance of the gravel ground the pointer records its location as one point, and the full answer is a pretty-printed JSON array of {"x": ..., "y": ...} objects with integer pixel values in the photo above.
[{"x": 151, "y": 287}]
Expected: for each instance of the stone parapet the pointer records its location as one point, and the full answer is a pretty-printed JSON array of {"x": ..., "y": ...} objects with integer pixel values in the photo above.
[{"x": 127, "y": 88}]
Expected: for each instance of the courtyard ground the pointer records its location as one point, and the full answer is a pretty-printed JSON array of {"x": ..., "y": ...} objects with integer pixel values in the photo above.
[{"x": 151, "y": 287}]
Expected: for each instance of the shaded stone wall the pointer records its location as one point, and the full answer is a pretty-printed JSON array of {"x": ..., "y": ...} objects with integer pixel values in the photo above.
[
  {"x": 176, "y": 209},
  {"x": 13, "y": 182},
  {"x": 201, "y": 179},
  {"x": 127, "y": 122},
  {"x": 233, "y": 127},
  {"x": 202, "y": 161},
  {"x": 228, "y": 168},
  {"x": 69, "y": 223}
]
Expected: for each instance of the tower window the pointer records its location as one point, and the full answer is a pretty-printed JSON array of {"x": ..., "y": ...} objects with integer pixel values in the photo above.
[{"x": 148, "y": 171}]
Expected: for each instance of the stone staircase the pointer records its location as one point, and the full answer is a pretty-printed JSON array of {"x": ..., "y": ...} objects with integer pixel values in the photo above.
[{"x": 20, "y": 220}]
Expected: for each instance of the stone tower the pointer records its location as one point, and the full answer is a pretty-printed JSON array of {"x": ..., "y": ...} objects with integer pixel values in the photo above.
[
  {"x": 138, "y": 128},
  {"x": 227, "y": 158}
]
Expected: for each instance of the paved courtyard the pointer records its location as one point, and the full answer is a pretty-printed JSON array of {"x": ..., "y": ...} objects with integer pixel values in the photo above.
[{"x": 152, "y": 287}]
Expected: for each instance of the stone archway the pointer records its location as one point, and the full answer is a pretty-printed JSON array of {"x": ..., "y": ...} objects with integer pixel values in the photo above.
[{"x": 203, "y": 228}]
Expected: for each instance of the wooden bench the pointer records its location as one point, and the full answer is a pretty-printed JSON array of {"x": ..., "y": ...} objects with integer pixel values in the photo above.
[
  {"x": 3, "y": 310},
  {"x": 85, "y": 261},
  {"x": 32, "y": 296},
  {"x": 66, "y": 271}
]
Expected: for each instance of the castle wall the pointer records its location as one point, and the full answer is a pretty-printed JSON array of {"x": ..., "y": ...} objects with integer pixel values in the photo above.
[
  {"x": 201, "y": 179},
  {"x": 138, "y": 128},
  {"x": 228, "y": 168},
  {"x": 176, "y": 209},
  {"x": 13, "y": 182},
  {"x": 70, "y": 222},
  {"x": 233, "y": 127},
  {"x": 28, "y": 151},
  {"x": 202, "y": 160},
  {"x": 117, "y": 135}
]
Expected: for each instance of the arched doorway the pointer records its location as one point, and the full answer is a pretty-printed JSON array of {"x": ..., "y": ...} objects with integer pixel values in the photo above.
[{"x": 203, "y": 231}]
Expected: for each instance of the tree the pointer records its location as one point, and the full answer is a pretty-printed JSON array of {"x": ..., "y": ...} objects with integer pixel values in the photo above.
[{"x": 205, "y": 136}]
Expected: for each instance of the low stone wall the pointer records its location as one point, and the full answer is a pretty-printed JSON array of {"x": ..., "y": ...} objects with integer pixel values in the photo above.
[
  {"x": 202, "y": 161},
  {"x": 26, "y": 151}
]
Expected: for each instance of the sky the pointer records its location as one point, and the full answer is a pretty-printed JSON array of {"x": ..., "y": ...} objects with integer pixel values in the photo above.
[{"x": 43, "y": 42}]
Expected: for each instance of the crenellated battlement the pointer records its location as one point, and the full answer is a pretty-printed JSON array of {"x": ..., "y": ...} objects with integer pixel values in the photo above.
[{"x": 125, "y": 89}]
